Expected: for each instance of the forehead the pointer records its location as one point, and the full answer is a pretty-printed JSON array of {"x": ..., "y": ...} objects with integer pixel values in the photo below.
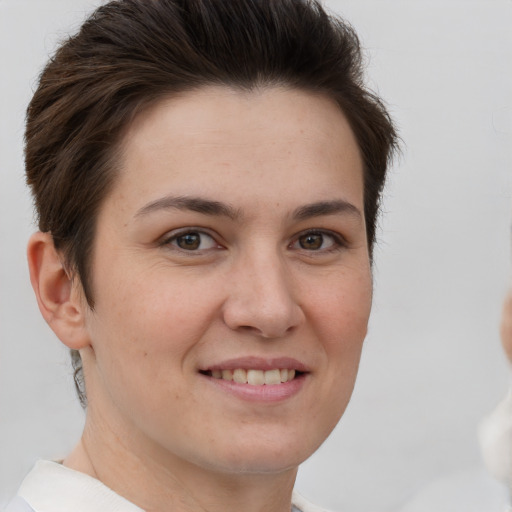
[{"x": 287, "y": 138}]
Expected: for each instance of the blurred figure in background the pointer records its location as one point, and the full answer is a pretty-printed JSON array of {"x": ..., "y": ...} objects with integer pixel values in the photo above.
[
  {"x": 475, "y": 489},
  {"x": 496, "y": 429}
]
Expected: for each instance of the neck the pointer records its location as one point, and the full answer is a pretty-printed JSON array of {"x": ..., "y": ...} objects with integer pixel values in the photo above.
[{"x": 157, "y": 481}]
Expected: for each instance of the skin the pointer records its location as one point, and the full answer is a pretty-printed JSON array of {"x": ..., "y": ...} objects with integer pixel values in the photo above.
[
  {"x": 506, "y": 325},
  {"x": 158, "y": 431}
]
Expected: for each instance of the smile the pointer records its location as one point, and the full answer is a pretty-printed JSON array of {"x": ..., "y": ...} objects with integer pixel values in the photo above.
[{"x": 254, "y": 377}]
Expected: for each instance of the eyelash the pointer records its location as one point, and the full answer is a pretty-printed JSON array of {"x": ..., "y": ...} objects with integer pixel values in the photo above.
[
  {"x": 174, "y": 236},
  {"x": 338, "y": 241}
]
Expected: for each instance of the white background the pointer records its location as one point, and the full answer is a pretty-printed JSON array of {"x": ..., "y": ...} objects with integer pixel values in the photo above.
[{"x": 432, "y": 365}]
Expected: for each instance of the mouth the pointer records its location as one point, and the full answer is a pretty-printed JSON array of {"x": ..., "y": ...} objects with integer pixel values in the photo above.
[
  {"x": 255, "y": 377},
  {"x": 258, "y": 380}
]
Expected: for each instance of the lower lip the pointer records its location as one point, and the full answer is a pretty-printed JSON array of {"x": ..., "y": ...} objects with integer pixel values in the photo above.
[{"x": 266, "y": 393}]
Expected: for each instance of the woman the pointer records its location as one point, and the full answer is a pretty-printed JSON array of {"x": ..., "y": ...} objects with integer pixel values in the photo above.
[{"x": 207, "y": 178}]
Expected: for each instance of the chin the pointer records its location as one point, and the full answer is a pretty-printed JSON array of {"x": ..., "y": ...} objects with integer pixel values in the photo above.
[
  {"x": 263, "y": 465},
  {"x": 268, "y": 456}
]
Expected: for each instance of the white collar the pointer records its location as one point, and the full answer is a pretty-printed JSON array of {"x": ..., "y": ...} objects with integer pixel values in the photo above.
[{"x": 52, "y": 487}]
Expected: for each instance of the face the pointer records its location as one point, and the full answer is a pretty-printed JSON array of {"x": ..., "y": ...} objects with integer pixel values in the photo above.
[{"x": 231, "y": 280}]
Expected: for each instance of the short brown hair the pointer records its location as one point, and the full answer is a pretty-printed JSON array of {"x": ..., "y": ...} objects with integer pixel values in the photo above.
[{"x": 131, "y": 53}]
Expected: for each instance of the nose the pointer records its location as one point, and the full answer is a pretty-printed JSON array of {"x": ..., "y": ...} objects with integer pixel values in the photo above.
[{"x": 262, "y": 298}]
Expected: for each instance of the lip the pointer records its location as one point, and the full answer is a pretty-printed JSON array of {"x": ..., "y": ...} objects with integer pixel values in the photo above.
[
  {"x": 259, "y": 363},
  {"x": 267, "y": 393},
  {"x": 259, "y": 394}
]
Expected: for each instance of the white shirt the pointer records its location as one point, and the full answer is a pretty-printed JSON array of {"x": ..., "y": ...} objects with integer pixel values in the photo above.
[{"x": 52, "y": 487}]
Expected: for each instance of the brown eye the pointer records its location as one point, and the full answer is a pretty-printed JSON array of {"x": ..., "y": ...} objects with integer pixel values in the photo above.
[
  {"x": 321, "y": 241},
  {"x": 189, "y": 241},
  {"x": 311, "y": 241}
]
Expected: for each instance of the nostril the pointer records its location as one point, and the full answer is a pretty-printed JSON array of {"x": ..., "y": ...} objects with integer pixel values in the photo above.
[
  {"x": 261, "y": 314},
  {"x": 249, "y": 328},
  {"x": 268, "y": 330}
]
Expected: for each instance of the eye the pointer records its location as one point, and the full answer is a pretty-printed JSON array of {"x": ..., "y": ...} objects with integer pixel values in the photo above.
[
  {"x": 190, "y": 241},
  {"x": 318, "y": 241}
]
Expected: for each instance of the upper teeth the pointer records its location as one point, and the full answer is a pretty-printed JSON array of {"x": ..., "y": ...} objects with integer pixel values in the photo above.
[{"x": 255, "y": 377}]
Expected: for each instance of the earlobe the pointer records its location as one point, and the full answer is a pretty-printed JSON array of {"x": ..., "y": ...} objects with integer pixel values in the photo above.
[{"x": 57, "y": 295}]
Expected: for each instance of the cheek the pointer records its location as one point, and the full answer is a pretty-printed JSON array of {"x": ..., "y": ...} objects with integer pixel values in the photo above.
[
  {"x": 341, "y": 325},
  {"x": 153, "y": 307},
  {"x": 143, "y": 333},
  {"x": 141, "y": 341},
  {"x": 342, "y": 308},
  {"x": 341, "y": 321}
]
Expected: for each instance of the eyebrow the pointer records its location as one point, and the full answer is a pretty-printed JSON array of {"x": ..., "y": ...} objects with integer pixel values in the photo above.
[
  {"x": 217, "y": 208},
  {"x": 338, "y": 206},
  {"x": 195, "y": 204}
]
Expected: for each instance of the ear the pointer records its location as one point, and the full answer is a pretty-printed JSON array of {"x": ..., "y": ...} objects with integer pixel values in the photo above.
[{"x": 58, "y": 295}]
